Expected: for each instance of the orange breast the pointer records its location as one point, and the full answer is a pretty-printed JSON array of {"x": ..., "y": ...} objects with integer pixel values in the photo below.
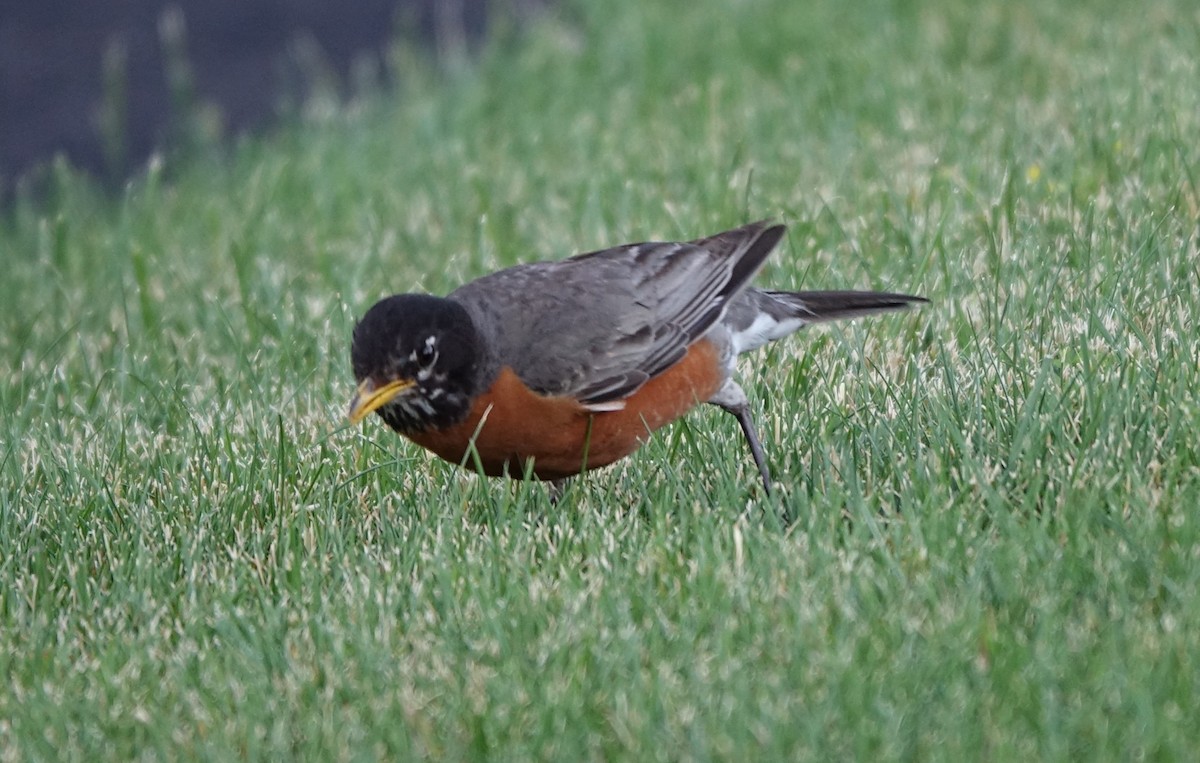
[{"x": 510, "y": 424}]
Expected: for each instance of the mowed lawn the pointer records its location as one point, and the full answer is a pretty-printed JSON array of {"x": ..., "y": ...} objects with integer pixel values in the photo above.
[{"x": 985, "y": 544}]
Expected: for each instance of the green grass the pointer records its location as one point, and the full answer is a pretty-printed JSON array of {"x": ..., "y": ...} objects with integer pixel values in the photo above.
[{"x": 994, "y": 552}]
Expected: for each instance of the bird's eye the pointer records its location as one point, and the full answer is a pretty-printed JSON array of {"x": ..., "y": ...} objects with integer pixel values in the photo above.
[{"x": 427, "y": 354}]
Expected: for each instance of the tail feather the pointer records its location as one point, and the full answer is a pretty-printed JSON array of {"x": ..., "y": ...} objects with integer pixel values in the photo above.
[
  {"x": 760, "y": 316},
  {"x": 822, "y": 306}
]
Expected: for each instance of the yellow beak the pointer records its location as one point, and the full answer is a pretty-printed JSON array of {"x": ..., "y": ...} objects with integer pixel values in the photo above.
[{"x": 368, "y": 397}]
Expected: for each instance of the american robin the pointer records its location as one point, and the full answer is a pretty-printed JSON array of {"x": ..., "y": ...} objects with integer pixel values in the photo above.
[{"x": 562, "y": 367}]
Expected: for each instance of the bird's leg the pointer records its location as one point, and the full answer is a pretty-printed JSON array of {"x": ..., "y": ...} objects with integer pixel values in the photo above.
[
  {"x": 555, "y": 489},
  {"x": 760, "y": 458},
  {"x": 732, "y": 398}
]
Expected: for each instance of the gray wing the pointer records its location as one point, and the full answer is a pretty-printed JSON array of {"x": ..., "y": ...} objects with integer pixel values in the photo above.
[{"x": 599, "y": 325}]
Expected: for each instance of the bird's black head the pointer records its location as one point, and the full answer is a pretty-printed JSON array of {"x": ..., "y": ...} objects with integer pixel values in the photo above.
[{"x": 417, "y": 360}]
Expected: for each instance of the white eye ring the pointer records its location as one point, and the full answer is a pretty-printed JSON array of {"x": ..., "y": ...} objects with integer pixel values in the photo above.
[{"x": 428, "y": 353}]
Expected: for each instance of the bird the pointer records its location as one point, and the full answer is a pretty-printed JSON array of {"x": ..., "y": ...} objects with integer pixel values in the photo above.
[{"x": 550, "y": 369}]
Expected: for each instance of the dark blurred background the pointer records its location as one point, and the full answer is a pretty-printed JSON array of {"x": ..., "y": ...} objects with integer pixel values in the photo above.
[{"x": 107, "y": 83}]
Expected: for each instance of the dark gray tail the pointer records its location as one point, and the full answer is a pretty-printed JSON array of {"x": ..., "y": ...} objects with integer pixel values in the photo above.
[
  {"x": 821, "y": 306},
  {"x": 757, "y": 316}
]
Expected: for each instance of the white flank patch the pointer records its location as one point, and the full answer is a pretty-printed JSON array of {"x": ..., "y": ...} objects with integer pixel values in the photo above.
[
  {"x": 611, "y": 405},
  {"x": 764, "y": 329}
]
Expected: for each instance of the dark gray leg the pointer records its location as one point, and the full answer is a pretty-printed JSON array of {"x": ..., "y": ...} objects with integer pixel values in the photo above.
[
  {"x": 555, "y": 488},
  {"x": 732, "y": 398}
]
